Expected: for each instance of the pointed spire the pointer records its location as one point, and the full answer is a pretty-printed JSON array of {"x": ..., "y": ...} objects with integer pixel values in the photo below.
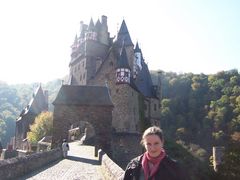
[
  {"x": 75, "y": 43},
  {"x": 123, "y": 35},
  {"x": 91, "y": 25},
  {"x": 98, "y": 25},
  {"x": 137, "y": 49},
  {"x": 76, "y": 39}
]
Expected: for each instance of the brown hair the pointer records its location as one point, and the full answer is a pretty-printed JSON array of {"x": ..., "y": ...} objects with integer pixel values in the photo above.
[{"x": 154, "y": 130}]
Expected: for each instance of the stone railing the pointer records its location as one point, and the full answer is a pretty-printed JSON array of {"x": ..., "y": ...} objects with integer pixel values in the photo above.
[
  {"x": 110, "y": 169},
  {"x": 15, "y": 167}
]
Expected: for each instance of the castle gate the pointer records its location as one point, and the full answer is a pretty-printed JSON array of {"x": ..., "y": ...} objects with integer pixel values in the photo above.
[{"x": 75, "y": 104}]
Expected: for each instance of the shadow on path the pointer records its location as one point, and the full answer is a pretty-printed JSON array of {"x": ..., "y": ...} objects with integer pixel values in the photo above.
[
  {"x": 35, "y": 172},
  {"x": 84, "y": 160}
]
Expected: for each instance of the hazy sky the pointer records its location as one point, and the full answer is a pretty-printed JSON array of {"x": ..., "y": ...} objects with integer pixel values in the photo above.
[{"x": 199, "y": 36}]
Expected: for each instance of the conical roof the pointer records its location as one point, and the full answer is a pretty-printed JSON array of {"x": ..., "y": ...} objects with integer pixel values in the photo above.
[
  {"x": 91, "y": 25},
  {"x": 122, "y": 60},
  {"x": 144, "y": 82},
  {"x": 137, "y": 49},
  {"x": 123, "y": 35}
]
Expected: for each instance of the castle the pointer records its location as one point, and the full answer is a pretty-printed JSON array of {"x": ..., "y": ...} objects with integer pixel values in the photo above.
[
  {"x": 100, "y": 60},
  {"x": 109, "y": 92}
]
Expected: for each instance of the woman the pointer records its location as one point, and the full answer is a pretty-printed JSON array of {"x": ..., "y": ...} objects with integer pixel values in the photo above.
[{"x": 154, "y": 164}]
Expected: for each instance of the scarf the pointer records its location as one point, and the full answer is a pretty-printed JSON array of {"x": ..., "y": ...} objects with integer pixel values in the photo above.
[{"x": 150, "y": 172}]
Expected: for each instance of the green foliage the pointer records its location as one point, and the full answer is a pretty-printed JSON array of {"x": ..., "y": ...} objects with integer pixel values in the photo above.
[
  {"x": 229, "y": 169},
  {"x": 201, "y": 109},
  {"x": 41, "y": 127},
  {"x": 196, "y": 169},
  {"x": 2, "y": 129}
]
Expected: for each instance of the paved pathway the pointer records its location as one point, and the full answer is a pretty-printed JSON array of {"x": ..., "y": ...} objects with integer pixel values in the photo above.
[{"x": 79, "y": 165}]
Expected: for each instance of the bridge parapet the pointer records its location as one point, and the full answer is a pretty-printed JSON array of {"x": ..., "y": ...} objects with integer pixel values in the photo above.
[
  {"x": 15, "y": 167},
  {"x": 110, "y": 169}
]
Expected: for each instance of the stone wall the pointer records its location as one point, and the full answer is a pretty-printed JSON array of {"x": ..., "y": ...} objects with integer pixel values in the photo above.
[
  {"x": 110, "y": 169},
  {"x": 125, "y": 98},
  {"x": 15, "y": 167}
]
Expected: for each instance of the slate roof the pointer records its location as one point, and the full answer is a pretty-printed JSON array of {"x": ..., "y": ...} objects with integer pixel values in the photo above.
[
  {"x": 144, "y": 82},
  {"x": 83, "y": 95},
  {"x": 91, "y": 25},
  {"x": 122, "y": 60},
  {"x": 36, "y": 105},
  {"x": 137, "y": 49},
  {"x": 124, "y": 36},
  {"x": 98, "y": 25}
]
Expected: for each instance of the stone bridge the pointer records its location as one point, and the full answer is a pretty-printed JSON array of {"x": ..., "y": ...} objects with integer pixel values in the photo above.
[{"x": 81, "y": 164}]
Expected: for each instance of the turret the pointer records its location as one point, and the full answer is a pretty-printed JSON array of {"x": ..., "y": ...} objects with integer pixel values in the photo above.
[
  {"x": 137, "y": 64},
  {"x": 123, "y": 70}
]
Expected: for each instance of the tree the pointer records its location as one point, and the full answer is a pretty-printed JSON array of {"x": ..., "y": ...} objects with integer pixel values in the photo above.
[
  {"x": 2, "y": 129},
  {"x": 41, "y": 127},
  {"x": 229, "y": 169}
]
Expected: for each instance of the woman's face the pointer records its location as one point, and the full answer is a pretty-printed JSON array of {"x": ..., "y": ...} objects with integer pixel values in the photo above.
[{"x": 153, "y": 145}]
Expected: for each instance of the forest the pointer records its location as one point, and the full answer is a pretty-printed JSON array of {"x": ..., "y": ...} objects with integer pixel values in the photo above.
[
  {"x": 198, "y": 111},
  {"x": 201, "y": 109}
]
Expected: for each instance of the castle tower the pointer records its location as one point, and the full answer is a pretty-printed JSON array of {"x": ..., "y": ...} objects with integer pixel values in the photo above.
[
  {"x": 123, "y": 70},
  {"x": 88, "y": 51}
]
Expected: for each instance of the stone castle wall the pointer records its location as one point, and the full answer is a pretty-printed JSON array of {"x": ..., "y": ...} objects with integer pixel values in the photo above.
[
  {"x": 124, "y": 98},
  {"x": 79, "y": 72},
  {"x": 126, "y": 110}
]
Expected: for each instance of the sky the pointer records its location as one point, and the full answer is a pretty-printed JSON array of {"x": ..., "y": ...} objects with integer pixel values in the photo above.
[{"x": 198, "y": 36}]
